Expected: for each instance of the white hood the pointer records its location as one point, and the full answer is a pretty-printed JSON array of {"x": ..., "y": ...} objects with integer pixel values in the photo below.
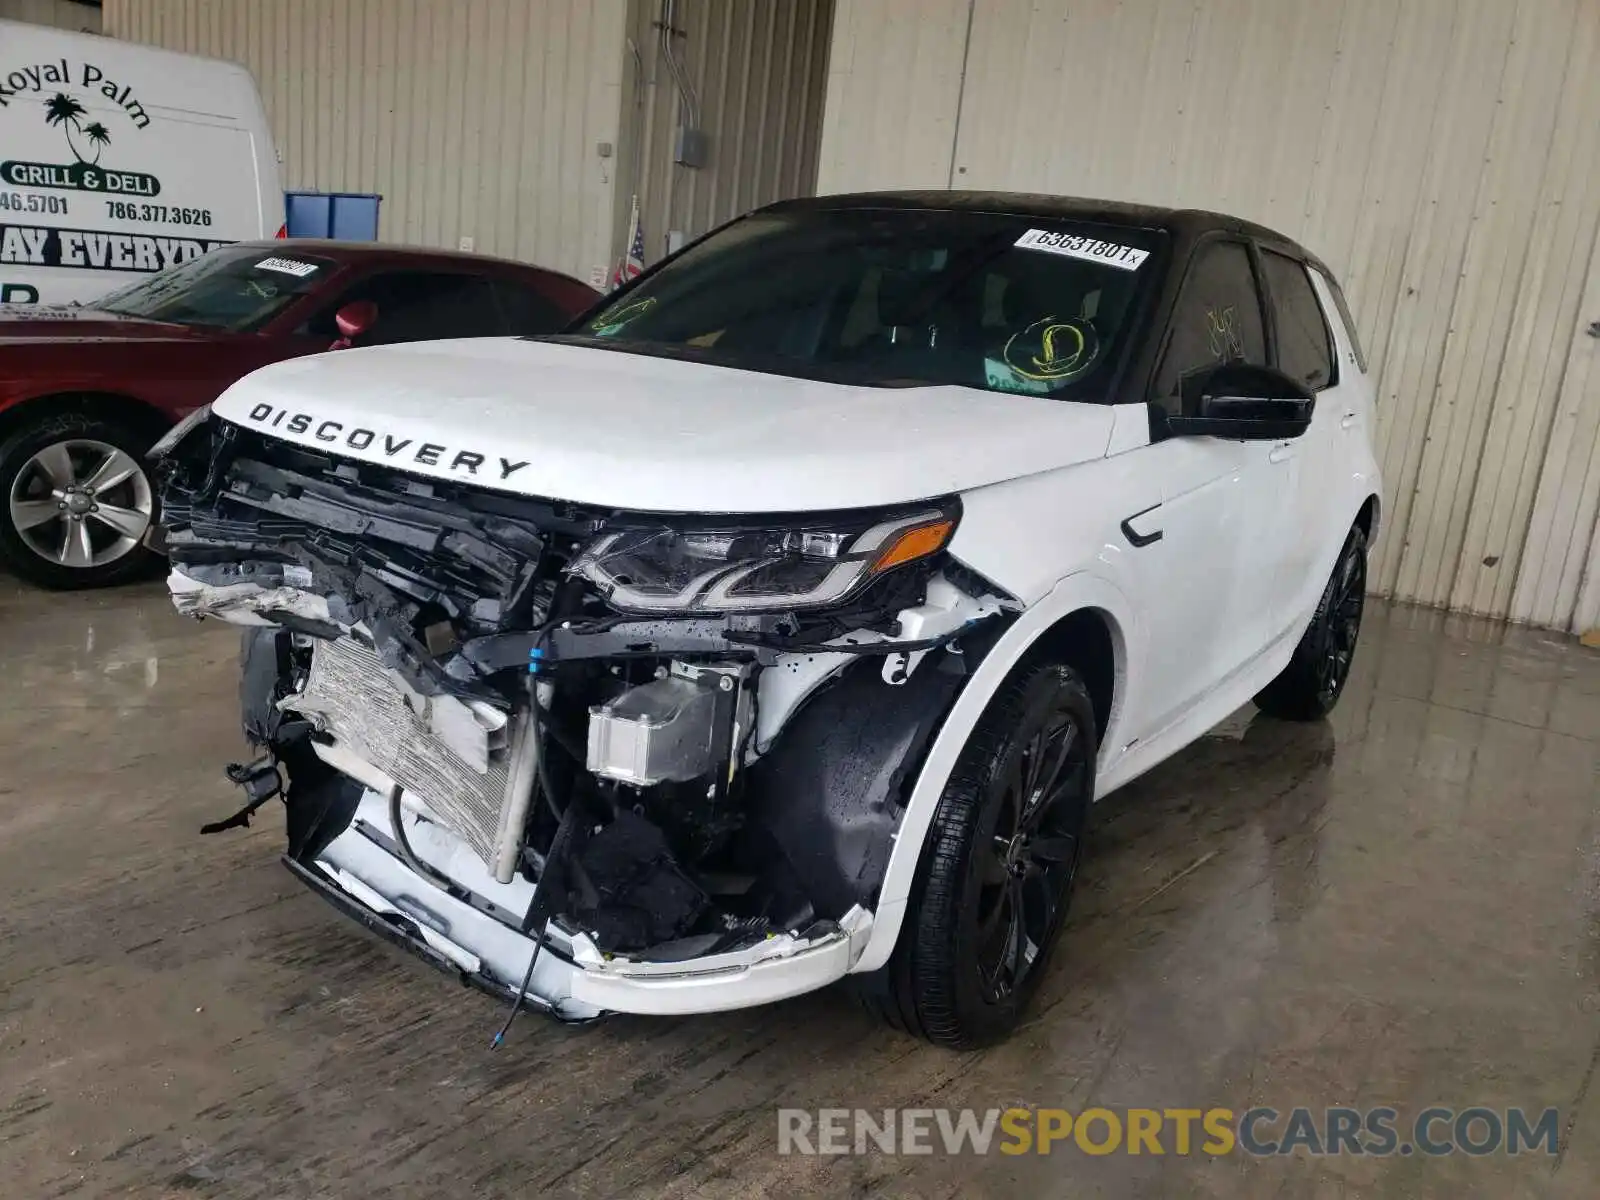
[{"x": 654, "y": 434}]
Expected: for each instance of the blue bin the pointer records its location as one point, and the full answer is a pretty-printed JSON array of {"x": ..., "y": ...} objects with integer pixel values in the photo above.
[{"x": 346, "y": 216}]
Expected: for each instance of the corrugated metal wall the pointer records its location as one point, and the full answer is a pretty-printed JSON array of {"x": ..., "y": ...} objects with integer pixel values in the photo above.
[
  {"x": 1442, "y": 155},
  {"x": 63, "y": 14},
  {"x": 758, "y": 72},
  {"x": 472, "y": 118},
  {"x": 894, "y": 88}
]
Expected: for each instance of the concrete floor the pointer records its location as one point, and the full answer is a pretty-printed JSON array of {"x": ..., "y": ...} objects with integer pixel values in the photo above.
[{"x": 1401, "y": 906}]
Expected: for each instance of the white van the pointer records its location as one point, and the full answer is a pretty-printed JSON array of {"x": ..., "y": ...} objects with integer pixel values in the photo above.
[{"x": 118, "y": 160}]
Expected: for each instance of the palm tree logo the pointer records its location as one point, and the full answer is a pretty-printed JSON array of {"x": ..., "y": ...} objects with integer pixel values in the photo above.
[
  {"x": 99, "y": 137},
  {"x": 65, "y": 111}
]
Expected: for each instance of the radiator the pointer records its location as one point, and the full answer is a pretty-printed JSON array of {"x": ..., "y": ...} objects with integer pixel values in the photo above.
[{"x": 351, "y": 696}]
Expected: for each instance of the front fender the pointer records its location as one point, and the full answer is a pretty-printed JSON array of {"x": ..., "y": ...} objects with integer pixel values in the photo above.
[{"x": 1071, "y": 594}]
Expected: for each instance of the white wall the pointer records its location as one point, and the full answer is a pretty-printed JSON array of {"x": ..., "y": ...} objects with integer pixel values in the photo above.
[
  {"x": 1442, "y": 155},
  {"x": 894, "y": 85},
  {"x": 64, "y": 14},
  {"x": 472, "y": 118}
]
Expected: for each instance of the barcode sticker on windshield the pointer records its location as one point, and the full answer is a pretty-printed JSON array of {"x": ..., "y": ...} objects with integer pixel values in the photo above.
[
  {"x": 287, "y": 266},
  {"x": 1073, "y": 245}
]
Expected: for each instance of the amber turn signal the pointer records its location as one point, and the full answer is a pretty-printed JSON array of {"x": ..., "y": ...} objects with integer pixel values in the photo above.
[{"x": 913, "y": 544}]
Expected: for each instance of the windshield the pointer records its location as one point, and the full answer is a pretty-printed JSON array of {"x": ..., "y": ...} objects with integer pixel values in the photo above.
[
  {"x": 232, "y": 289},
  {"x": 896, "y": 298}
]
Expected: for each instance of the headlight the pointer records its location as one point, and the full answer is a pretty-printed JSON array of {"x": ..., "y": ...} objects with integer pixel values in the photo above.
[
  {"x": 754, "y": 569},
  {"x": 178, "y": 432}
]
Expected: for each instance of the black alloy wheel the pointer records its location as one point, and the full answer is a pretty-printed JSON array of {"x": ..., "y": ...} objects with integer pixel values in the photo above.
[
  {"x": 996, "y": 876},
  {"x": 1027, "y": 869},
  {"x": 1309, "y": 687},
  {"x": 1340, "y": 626}
]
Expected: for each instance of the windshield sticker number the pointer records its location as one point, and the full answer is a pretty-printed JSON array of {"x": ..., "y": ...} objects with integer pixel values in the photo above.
[
  {"x": 287, "y": 266},
  {"x": 1072, "y": 245}
]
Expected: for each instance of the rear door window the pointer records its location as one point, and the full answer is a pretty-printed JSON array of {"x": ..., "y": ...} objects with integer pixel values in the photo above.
[
  {"x": 1216, "y": 320},
  {"x": 1305, "y": 352}
]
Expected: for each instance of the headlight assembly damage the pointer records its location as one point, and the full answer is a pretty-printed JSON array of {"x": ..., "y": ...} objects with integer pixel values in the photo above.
[{"x": 590, "y": 759}]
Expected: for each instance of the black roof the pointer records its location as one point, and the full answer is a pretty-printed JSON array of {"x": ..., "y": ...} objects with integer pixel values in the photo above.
[{"x": 1184, "y": 223}]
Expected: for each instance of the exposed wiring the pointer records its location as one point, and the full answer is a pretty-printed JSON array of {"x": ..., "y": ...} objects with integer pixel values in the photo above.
[
  {"x": 407, "y": 853},
  {"x": 434, "y": 877},
  {"x": 538, "y": 906},
  {"x": 527, "y": 978},
  {"x": 537, "y": 663},
  {"x": 539, "y": 909}
]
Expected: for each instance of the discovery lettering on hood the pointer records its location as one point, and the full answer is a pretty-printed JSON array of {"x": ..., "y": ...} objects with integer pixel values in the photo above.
[
  {"x": 373, "y": 443},
  {"x": 90, "y": 249}
]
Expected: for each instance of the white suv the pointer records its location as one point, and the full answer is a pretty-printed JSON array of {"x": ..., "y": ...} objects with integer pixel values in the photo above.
[{"x": 781, "y": 622}]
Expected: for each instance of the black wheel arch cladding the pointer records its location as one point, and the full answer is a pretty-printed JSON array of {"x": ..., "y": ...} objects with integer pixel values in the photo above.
[{"x": 830, "y": 793}]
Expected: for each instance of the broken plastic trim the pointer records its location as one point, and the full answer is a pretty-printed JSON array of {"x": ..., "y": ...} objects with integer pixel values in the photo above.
[
  {"x": 404, "y": 934},
  {"x": 470, "y": 934},
  {"x": 260, "y": 780},
  {"x": 454, "y": 596}
]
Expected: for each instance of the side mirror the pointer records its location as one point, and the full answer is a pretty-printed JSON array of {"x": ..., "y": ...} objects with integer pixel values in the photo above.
[
  {"x": 1243, "y": 402},
  {"x": 353, "y": 320}
]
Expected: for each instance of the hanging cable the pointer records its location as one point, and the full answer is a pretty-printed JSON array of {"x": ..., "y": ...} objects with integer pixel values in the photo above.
[
  {"x": 527, "y": 976},
  {"x": 539, "y": 909},
  {"x": 536, "y": 665},
  {"x": 406, "y": 852}
]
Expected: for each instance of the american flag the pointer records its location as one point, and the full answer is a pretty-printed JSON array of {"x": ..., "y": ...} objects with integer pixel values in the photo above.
[{"x": 632, "y": 264}]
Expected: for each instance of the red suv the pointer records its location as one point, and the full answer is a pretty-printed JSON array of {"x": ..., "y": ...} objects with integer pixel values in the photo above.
[{"x": 84, "y": 392}]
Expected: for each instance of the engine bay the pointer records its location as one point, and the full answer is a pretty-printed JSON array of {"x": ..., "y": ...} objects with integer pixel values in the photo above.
[{"x": 689, "y": 737}]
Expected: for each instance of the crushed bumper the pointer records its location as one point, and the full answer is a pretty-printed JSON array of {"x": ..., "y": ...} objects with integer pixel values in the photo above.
[
  {"x": 474, "y": 935},
  {"x": 391, "y": 930}
]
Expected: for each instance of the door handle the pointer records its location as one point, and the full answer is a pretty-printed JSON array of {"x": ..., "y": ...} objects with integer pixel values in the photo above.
[
  {"x": 1282, "y": 452},
  {"x": 1136, "y": 539},
  {"x": 1347, "y": 420}
]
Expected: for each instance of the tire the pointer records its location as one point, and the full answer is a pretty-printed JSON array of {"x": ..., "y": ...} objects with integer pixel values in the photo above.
[
  {"x": 75, "y": 499},
  {"x": 1309, "y": 687},
  {"x": 948, "y": 980}
]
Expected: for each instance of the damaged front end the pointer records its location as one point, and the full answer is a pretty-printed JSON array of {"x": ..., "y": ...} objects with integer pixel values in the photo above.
[{"x": 592, "y": 760}]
